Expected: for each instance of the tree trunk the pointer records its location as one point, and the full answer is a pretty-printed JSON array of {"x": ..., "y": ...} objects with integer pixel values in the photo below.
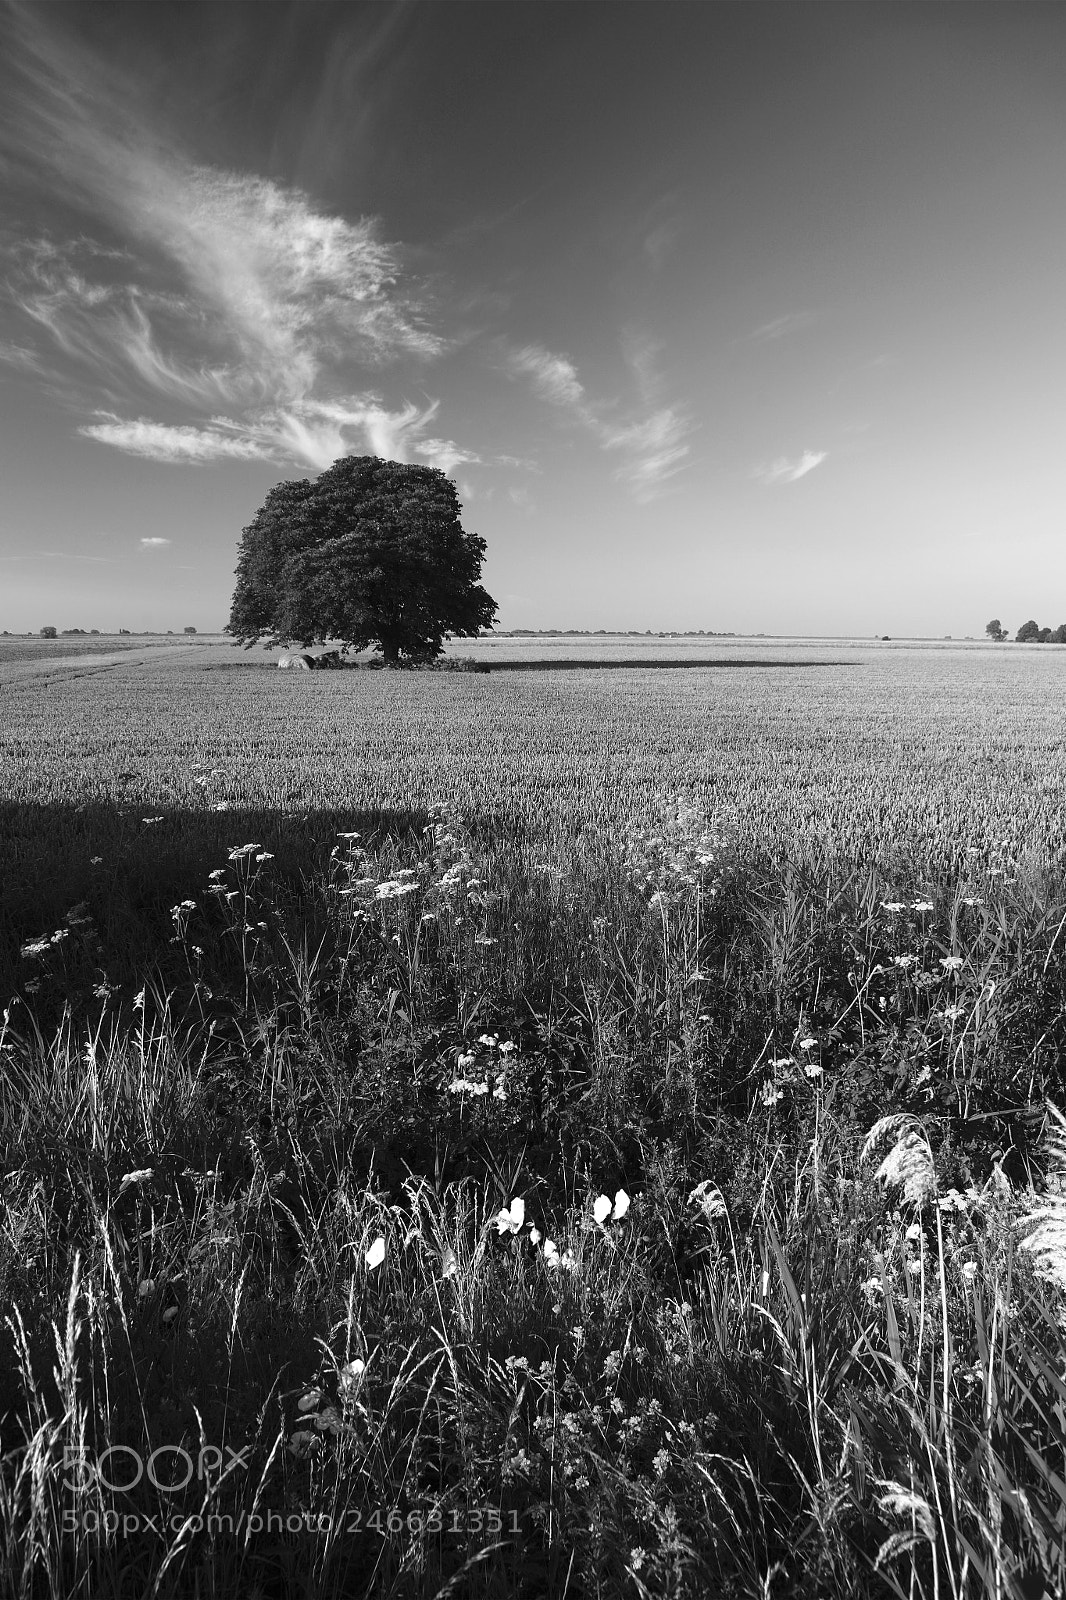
[{"x": 390, "y": 650}]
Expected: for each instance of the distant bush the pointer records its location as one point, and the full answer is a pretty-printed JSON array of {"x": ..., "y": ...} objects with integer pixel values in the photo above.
[
  {"x": 48, "y": 633},
  {"x": 190, "y": 630}
]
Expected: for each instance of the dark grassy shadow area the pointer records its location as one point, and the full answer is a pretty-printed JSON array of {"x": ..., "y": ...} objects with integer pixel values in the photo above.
[{"x": 117, "y": 875}]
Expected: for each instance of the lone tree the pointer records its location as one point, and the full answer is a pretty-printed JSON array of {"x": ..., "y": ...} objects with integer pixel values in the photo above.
[
  {"x": 995, "y": 629},
  {"x": 1027, "y": 632},
  {"x": 371, "y": 552}
]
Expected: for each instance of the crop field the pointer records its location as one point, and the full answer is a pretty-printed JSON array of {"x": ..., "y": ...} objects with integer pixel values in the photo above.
[{"x": 587, "y": 1129}]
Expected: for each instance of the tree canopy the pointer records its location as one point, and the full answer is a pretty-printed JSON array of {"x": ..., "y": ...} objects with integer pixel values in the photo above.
[{"x": 371, "y": 552}]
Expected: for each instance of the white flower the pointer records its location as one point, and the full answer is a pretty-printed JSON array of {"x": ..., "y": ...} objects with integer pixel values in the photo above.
[
  {"x": 770, "y": 1094},
  {"x": 904, "y": 961},
  {"x": 914, "y": 1231},
  {"x": 813, "y": 1071},
  {"x": 808, "y": 1044},
  {"x": 781, "y": 1061},
  {"x": 138, "y": 1001},
  {"x": 149, "y": 820},
  {"x": 464, "y": 1062},
  {"x": 449, "y": 1262},
  {"x": 872, "y": 1288},
  {"x": 921, "y": 905},
  {"x": 951, "y": 963},
  {"x": 892, "y": 905},
  {"x": 375, "y": 1255},
  {"x": 489, "y": 1040},
  {"x": 511, "y": 1220},
  {"x": 621, "y": 1205},
  {"x": 534, "y": 1236},
  {"x": 507, "y": 1047},
  {"x": 350, "y": 1376},
  {"x": 602, "y": 1209},
  {"x": 968, "y": 1271},
  {"x": 239, "y": 851}
]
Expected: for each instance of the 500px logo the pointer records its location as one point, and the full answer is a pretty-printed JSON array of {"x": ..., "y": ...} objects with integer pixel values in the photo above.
[{"x": 169, "y": 1468}]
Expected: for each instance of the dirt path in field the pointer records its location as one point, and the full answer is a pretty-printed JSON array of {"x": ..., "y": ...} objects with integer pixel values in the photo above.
[{"x": 71, "y": 666}]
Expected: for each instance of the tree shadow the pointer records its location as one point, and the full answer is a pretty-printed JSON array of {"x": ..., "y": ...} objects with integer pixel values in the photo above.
[{"x": 103, "y": 867}]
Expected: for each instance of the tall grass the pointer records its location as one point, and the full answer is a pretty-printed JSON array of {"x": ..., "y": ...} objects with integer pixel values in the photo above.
[{"x": 485, "y": 1220}]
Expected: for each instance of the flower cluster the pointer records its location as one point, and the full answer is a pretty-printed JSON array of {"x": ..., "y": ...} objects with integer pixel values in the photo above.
[{"x": 675, "y": 858}]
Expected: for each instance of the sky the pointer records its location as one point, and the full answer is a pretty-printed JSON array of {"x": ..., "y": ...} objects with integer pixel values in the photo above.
[{"x": 745, "y": 317}]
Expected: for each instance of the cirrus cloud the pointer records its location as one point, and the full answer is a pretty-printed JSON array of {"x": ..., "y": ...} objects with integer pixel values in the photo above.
[{"x": 790, "y": 470}]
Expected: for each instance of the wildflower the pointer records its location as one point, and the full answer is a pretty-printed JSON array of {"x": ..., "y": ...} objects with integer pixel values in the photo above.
[
  {"x": 148, "y": 821},
  {"x": 914, "y": 1232},
  {"x": 239, "y": 851},
  {"x": 507, "y": 1047},
  {"x": 465, "y": 1061},
  {"x": 138, "y": 1001},
  {"x": 329, "y": 1421},
  {"x": 483, "y": 939},
  {"x": 892, "y": 905},
  {"x": 302, "y": 1442},
  {"x": 807, "y": 1044},
  {"x": 921, "y": 905},
  {"x": 781, "y": 1061},
  {"x": 489, "y": 1040},
  {"x": 534, "y": 1236},
  {"x": 309, "y": 1401},
  {"x": 951, "y": 963},
  {"x": 375, "y": 1255},
  {"x": 603, "y": 1208},
  {"x": 914, "y": 1268},
  {"x": 904, "y": 961},
  {"x": 872, "y": 1288},
  {"x": 972, "y": 900},
  {"x": 968, "y": 1271},
  {"x": 145, "y": 1288},
  {"x": 813, "y": 1071},
  {"x": 348, "y": 836},
  {"x": 264, "y": 855},
  {"x": 95, "y": 861},
  {"x": 36, "y": 948},
  {"x": 219, "y": 872},
  {"x": 511, "y": 1220},
  {"x": 222, "y": 805},
  {"x": 770, "y": 1094},
  {"x": 449, "y": 1263},
  {"x": 350, "y": 1376},
  {"x": 170, "y": 1313}
]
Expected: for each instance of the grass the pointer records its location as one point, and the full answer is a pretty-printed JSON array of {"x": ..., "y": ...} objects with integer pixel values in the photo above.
[{"x": 528, "y": 1201}]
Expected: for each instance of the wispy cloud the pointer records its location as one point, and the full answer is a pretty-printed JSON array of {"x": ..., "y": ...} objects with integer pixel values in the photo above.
[
  {"x": 234, "y": 290},
  {"x": 153, "y": 542},
  {"x": 444, "y": 454},
  {"x": 786, "y": 470},
  {"x": 553, "y": 377},
  {"x": 654, "y": 448},
  {"x": 792, "y": 322},
  {"x": 652, "y": 439},
  {"x": 159, "y": 441}
]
